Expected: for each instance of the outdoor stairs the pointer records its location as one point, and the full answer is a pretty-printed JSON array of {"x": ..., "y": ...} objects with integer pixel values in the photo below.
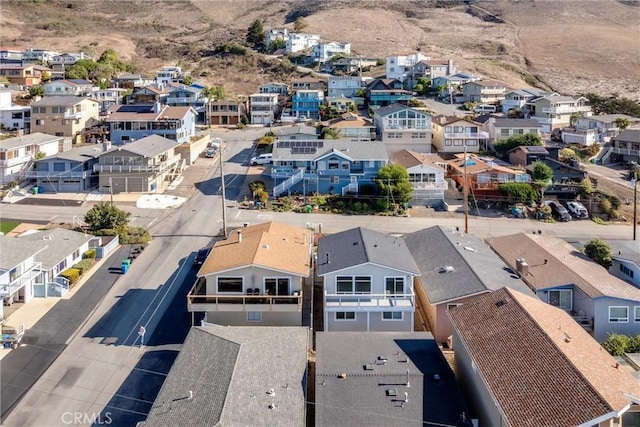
[
  {"x": 288, "y": 183},
  {"x": 604, "y": 154}
]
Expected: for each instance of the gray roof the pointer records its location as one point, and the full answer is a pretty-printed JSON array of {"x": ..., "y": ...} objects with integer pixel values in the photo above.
[
  {"x": 517, "y": 123},
  {"x": 530, "y": 91},
  {"x": 78, "y": 154},
  {"x": 58, "y": 243},
  {"x": 475, "y": 267},
  {"x": 15, "y": 251},
  {"x": 629, "y": 135},
  {"x": 149, "y": 146},
  {"x": 29, "y": 139},
  {"x": 359, "y": 246},
  {"x": 355, "y": 150},
  {"x": 383, "y": 111},
  {"x": 610, "y": 118},
  {"x": 61, "y": 101},
  {"x": 230, "y": 371},
  {"x": 295, "y": 129},
  {"x": 360, "y": 398}
]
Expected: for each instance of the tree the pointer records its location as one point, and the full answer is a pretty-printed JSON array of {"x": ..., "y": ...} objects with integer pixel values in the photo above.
[
  {"x": 617, "y": 344},
  {"x": 106, "y": 216},
  {"x": 567, "y": 154},
  {"x": 542, "y": 172},
  {"x": 256, "y": 35},
  {"x": 622, "y": 123},
  {"x": 36, "y": 91},
  {"x": 519, "y": 192},
  {"x": 331, "y": 133},
  {"x": 277, "y": 44},
  {"x": 516, "y": 141},
  {"x": 599, "y": 251},
  {"x": 393, "y": 182},
  {"x": 299, "y": 24},
  {"x": 187, "y": 80}
]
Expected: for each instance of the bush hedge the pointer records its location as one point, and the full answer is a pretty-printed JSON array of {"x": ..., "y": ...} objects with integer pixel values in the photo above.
[
  {"x": 71, "y": 274},
  {"x": 618, "y": 344},
  {"x": 83, "y": 265},
  {"x": 89, "y": 254}
]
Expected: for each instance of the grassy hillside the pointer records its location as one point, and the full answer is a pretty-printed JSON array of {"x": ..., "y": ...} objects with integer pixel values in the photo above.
[{"x": 571, "y": 46}]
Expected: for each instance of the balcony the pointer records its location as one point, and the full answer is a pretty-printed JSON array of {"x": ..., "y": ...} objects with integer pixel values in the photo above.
[
  {"x": 369, "y": 302},
  {"x": 160, "y": 167},
  {"x": 71, "y": 115},
  {"x": 566, "y": 109},
  {"x": 199, "y": 301},
  {"x": 584, "y": 321},
  {"x": 444, "y": 185},
  {"x": 15, "y": 161},
  {"x": 466, "y": 135},
  {"x": 26, "y": 278}
]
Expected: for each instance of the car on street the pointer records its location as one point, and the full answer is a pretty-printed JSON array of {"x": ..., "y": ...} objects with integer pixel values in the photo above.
[
  {"x": 211, "y": 152},
  {"x": 577, "y": 209},
  {"x": 559, "y": 212},
  {"x": 262, "y": 159},
  {"x": 201, "y": 256}
]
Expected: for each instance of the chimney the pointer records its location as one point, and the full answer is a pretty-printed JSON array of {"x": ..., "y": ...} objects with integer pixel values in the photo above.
[
  {"x": 157, "y": 107},
  {"x": 450, "y": 66},
  {"x": 239, "y": 236},
  {"x": 522, "y": 268}
]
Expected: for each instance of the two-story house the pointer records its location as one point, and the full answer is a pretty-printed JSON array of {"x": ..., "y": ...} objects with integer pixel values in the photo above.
[
  {"x": 188, "y": 96},
  {"x": 226, "y": 111},
  {"x": 274, "y": 87},
  {"x": 563, "y": 277},
  {"x": 325, "y": 166},
  {"x": 323, "y": 52},
  {"x": 72, "y": 87},
  {"x": 483, "y": 175},
  {"x": 43, "y": 55},
  {"x": 18, "y": 153},
  {"x": 342, "y": 103},
  {"x": 383, "y": 92},
  {"x": 108, "y": 97},
  {"x": 145, "y": 165},
  {"x": 275, "y": 34},
  {"x": 606, "y": 126},
  {"x": 556, "y": 111},
  {"x": 133, "y": 81},
  {"x": 60, "y": 63},
  {"x": 346, "y": 86},
  {"x": 454, "y": 267},
  {"x": 352, "y": 64},
  {"x": 502, "y": 128},
  {"x": 20, "y": 272},
  {"x": 132, "y": 122},
  {"x": 10, "y": 56},
  {"x": 451, "y": 86},
  {"x": 429, "y": 69},
  {"x": 451, "y": 134},
  {"x": 516, "y": 100},
  {"x": 255, "y": 277},
  {"x": 354, "y": 127},
  {"x": 301, "y": 41},
  {"x": 627, "y": 145},
  {"x": 368, "y": 280},
  {"x": 263, "y": 107},
  {"x": 64, "y": 115},
  {"x": 484, "y": 91},
  {"x": 23, "y": 75},
  {"x": 14, "y": 116},
  {"x": 308, "y": 83},
  {"x": 401, "y": 127},
  {"x": 524, "y": 155},
  {"x": 169, "y": 74},
  {"x": 306, "y": 103},
  {"x": 150, "y": 94},
  {"x": 400, "y": 66},
  {"x": 521, "y": 362},
  {"x": 426, "y": 173}
]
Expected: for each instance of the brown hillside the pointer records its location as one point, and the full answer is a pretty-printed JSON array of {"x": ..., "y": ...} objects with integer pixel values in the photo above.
[{"x": 569, "y": 46}]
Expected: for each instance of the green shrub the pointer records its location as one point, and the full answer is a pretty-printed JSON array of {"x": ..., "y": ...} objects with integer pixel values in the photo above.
[
  {"x": 106, "y": 232},
  {"x": 634, "y": 345},
  {"x": 605, "y": 205},
  {"x": 71, "y": 274},
  {"x": 356, "y": 207},
  {"x": 83, "y": 266},
  {"x": 321, "y": 200},
  {"x": 90, "y": 253},
  {"x": 615, "y": 202},
  {"x": 134, "y": 235},
  {"x": 618, "y": 344}
]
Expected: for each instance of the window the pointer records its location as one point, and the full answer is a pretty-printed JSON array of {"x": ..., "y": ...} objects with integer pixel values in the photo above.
[
  {"x": 392, "y": 315},
  {"x": 334, "y": 179},
  {"x": 254, "y": 316},
  {"x": 394, "y": 285},
  {"x": 230, "y": 284},
  {"x": 59, "y": 133},
  {"x": 636, "y": 314},
  {"x": 562, "y": 298},
  {"x": 343, "y": 285},
  {"x": 472, "y": 142},
  {"x": 62, "y": 266},
  {"x": 351, "y": 284},
  {"x": 504, "y": 132},
  {"x": 626, "y": 270},
  {"x": 450, "y": 306},
  {"x": 58, "y": 167},
  {"x": 40, "y": 122},
  {"x": 345, "y": 166},
  {"x": 457, "y": 142},
  {"x": 345, "y": 315},
  {"x": 447, "y": 142},
  {"x": 76, "y": 253},
  {"x": 277, "y": 286},
  {"x": 618, "y": 314},
  {"x": 363, "y": 285},
  {"x": 334, "y": 165}
]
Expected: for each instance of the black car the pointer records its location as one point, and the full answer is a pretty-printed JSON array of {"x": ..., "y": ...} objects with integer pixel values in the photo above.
[
  {"x": 559, "y": 212},
  {"x": 201, "y": 256}
]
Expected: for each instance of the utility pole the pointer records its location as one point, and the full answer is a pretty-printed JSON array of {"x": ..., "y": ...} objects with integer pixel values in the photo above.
[
  {"x": 466, "y": 194},
  {"x": 224, "y": 208}
]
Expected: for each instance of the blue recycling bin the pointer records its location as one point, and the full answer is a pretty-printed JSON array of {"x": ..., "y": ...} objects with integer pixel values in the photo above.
[{"x": 126, "y": 263}]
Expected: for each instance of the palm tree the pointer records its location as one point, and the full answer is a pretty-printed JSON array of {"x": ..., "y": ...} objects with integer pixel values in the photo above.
[
  {"x": 211, "y": 94},
  {"x": 622, "y": 123}
]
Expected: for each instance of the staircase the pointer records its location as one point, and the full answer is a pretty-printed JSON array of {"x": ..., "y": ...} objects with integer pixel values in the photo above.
[
  {"x": 604, "y": 154},
  {"x": 288, "y": 183}
]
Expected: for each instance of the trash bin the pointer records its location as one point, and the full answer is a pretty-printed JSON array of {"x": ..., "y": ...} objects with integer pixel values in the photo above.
[
  {"x": 308, "y": 208},
  {"x": 126, "y": 263},
  {"x": 40, "y": 190},
  {"x": 35, "y": 190}
]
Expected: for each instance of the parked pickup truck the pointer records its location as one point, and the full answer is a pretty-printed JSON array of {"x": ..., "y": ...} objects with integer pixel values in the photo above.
[{"x": 577, "y": 210}]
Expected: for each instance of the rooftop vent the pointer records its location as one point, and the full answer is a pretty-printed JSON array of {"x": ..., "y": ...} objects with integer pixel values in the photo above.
[
  {"x": 383, "y": 358},
  {"x": 271, "y": 392},
  {"x": 470, "y": 249},
  {"x": 501, "y": 303},
  {"x": 447, "y": 269},
  {"x": 392, "y": 392},
  {"x": 368, "y": 367},
  {"x": 342, "y": 375}
]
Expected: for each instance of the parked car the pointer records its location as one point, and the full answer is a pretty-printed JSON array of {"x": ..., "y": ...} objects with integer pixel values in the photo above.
[
  {"x": 577, "y": 209},
  {"x": 559, "y": 212},
  {"x": 211, "y": 152},
  {"x": 214, "y": 143},
  {"x": 201, "y": 256},
  {"x": 262, "y": 159}
]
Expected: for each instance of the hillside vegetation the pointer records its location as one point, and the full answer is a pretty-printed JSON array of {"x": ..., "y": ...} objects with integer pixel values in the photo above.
[{"x": 569, "y": 46}]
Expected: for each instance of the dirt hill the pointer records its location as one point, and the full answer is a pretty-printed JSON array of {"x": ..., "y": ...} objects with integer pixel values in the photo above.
[{"x": 570, "y": 46}]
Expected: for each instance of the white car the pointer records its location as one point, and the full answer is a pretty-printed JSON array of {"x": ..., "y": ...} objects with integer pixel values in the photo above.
[
  {"x": 577, "y": 209},
  {"x": 262, "y": 159}
]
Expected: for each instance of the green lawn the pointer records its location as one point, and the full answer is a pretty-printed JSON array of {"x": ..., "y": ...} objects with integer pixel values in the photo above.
[{"x": 7, "y": 226}]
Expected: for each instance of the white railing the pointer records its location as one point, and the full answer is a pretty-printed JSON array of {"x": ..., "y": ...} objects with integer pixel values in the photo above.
[
  {"x": 352, "y": 187},
  {"x": 430, "y": 185},
  {"x": 465, "y": 135},
  {"x": 369, "y": 302},
  {"x": 627, "y": 151},
  {"x": 28, "y": 276},
  {"x": 138, "y": 168},
  {"x": 566, "y": 110},
  {"x": 73, "y": 114},
  {"x": 288, "y": 183},
  {"x": 16, "y": 161}
]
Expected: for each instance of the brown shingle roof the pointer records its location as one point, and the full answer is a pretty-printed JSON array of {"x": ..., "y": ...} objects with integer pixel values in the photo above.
[
  {"x": 542, "y": 368},
  {"x": 409, "y": 159},
  {"x": 271, "y": 245}
]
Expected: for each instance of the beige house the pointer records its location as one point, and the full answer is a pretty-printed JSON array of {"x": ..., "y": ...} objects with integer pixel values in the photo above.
[
  {"x": 226, "y": 112},
  {"x": 555, "y": 111},
  {"x": 24, "y": 75},
  {"x": 64, "y": 115},
  {"x": 403, "y": 128},
  {"x": 255, "y": 277},
  {"x": 452, "y": 134},
  {"x": 484, "y": 91}
]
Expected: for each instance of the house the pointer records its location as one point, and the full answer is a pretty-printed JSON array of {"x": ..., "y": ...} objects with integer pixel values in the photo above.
[
  {"x": 235, "y": 376},
  {"x": 59, "y": 63},
  {"x": 226, "y": 111},
  {"x": 429, "y": 69},
  {"x": 524, "y": 155},
  {"x": 516, "y": 100},
  {"x": 108, "y": 98},
  {"x": 169, "y": 74},
  {"x": 555, "y": 111},
  {"x": 500, "y": 128},
  {"x": 69, "y": 171},
  {"x": 274, "y": 87},
  {"x": 275, "y": 34},
  {"x": 301, "y": 41},
  {"x": 626, "y": 268},
  {"x": 43, "y": 55},
  {"x": 521, "y": 362},
  {"x": 188, "y": 96},
  {"x": 454, "y": 267},
  {"x": 306, "y": 103},
  {"x": 383, "y": 379},
  {"x": 566, "y": 177},
  {"x": 401, "y": 127},
  {"x": 343, "y": 104},
  {"x": 308, "y": 83},
  {"x": 295, "y": 131},
  {"x": 71, "y": 87},
  {"x": 451, "y": 134},
  {"x": 19, "y": 269},
  {"x": 255, "y": 277},
  {"x": 10, "y": 56},
  {"x": 13, "y": 116},
  {"x": 483, "y": 174},
  {"x": 64, "y": 115},
  {"x": 383, "y": 92},
  {"x": 263, "y": 107},
  {"x": 146, "y": 165},
  {"x": 150, "y": 94},
  {"x": 563, "y": 277},
  {"x": 353, "y": 126},
  {"x": 399, "y": 66},
  {"x": 18, "y": 153},
  {"x": 626, "y": 145},
  {"x": 353, "y": 64},
  {"x": 132, "y": 81},
  {"x": 323, "y": 52},
  {"x": 132, "y": 122},
  {"x": 605, "y": 126},
  {"x": 368, "y": 280},
  {"x": 23, "y": 75},
  {"x": 451, "y": 85},
  {"x": 60, "y": 249},
  {"x": 426, "y": 174},
  {"x": 484, "y": 91},
  {"x": 326, "y": 166},
  {"x": 347, "y": 86}
]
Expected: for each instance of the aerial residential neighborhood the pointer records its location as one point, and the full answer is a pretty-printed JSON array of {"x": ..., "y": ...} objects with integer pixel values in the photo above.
[{"x": 328, "y": 235}]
